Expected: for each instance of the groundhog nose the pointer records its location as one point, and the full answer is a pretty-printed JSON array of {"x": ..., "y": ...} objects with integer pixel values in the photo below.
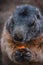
[{"x": 18, "y": 37}]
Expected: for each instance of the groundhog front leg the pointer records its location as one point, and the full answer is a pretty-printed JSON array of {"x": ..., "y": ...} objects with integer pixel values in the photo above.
[
  {"x": 6, "y": 60},
  {"x": 6, "y": 47}
]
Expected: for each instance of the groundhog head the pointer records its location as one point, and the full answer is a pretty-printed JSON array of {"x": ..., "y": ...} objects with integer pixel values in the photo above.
[{"x": 24, "y": 26}]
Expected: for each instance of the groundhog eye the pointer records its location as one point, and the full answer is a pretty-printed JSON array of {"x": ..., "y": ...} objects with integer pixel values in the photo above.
[
  {"x": 32, "y": 24},
  {"x": 38, "y": 16},
  {"x": 12, "y": 23}
]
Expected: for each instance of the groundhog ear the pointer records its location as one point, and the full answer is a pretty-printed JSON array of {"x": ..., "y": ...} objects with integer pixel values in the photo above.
[
  {"x": 39, "y": 16},
  {"x": 9, "y": 24}
]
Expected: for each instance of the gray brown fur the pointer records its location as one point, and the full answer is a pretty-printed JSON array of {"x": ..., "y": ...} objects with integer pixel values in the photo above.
[{"x": 10, "y": 44}]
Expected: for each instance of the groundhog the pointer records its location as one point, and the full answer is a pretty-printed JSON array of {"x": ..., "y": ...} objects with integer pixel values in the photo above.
[{"x": 22, "y": 37}]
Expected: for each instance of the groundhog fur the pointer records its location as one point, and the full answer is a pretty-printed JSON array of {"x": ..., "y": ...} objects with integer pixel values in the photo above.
[{"x": 33, "y": 45}]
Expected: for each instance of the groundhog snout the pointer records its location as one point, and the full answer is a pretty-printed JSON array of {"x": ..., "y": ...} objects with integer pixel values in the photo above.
[
  {"x": 19, "y": 33},
  {"x": 22, "y": 55},
  {"x": 18, "y": 36}
]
